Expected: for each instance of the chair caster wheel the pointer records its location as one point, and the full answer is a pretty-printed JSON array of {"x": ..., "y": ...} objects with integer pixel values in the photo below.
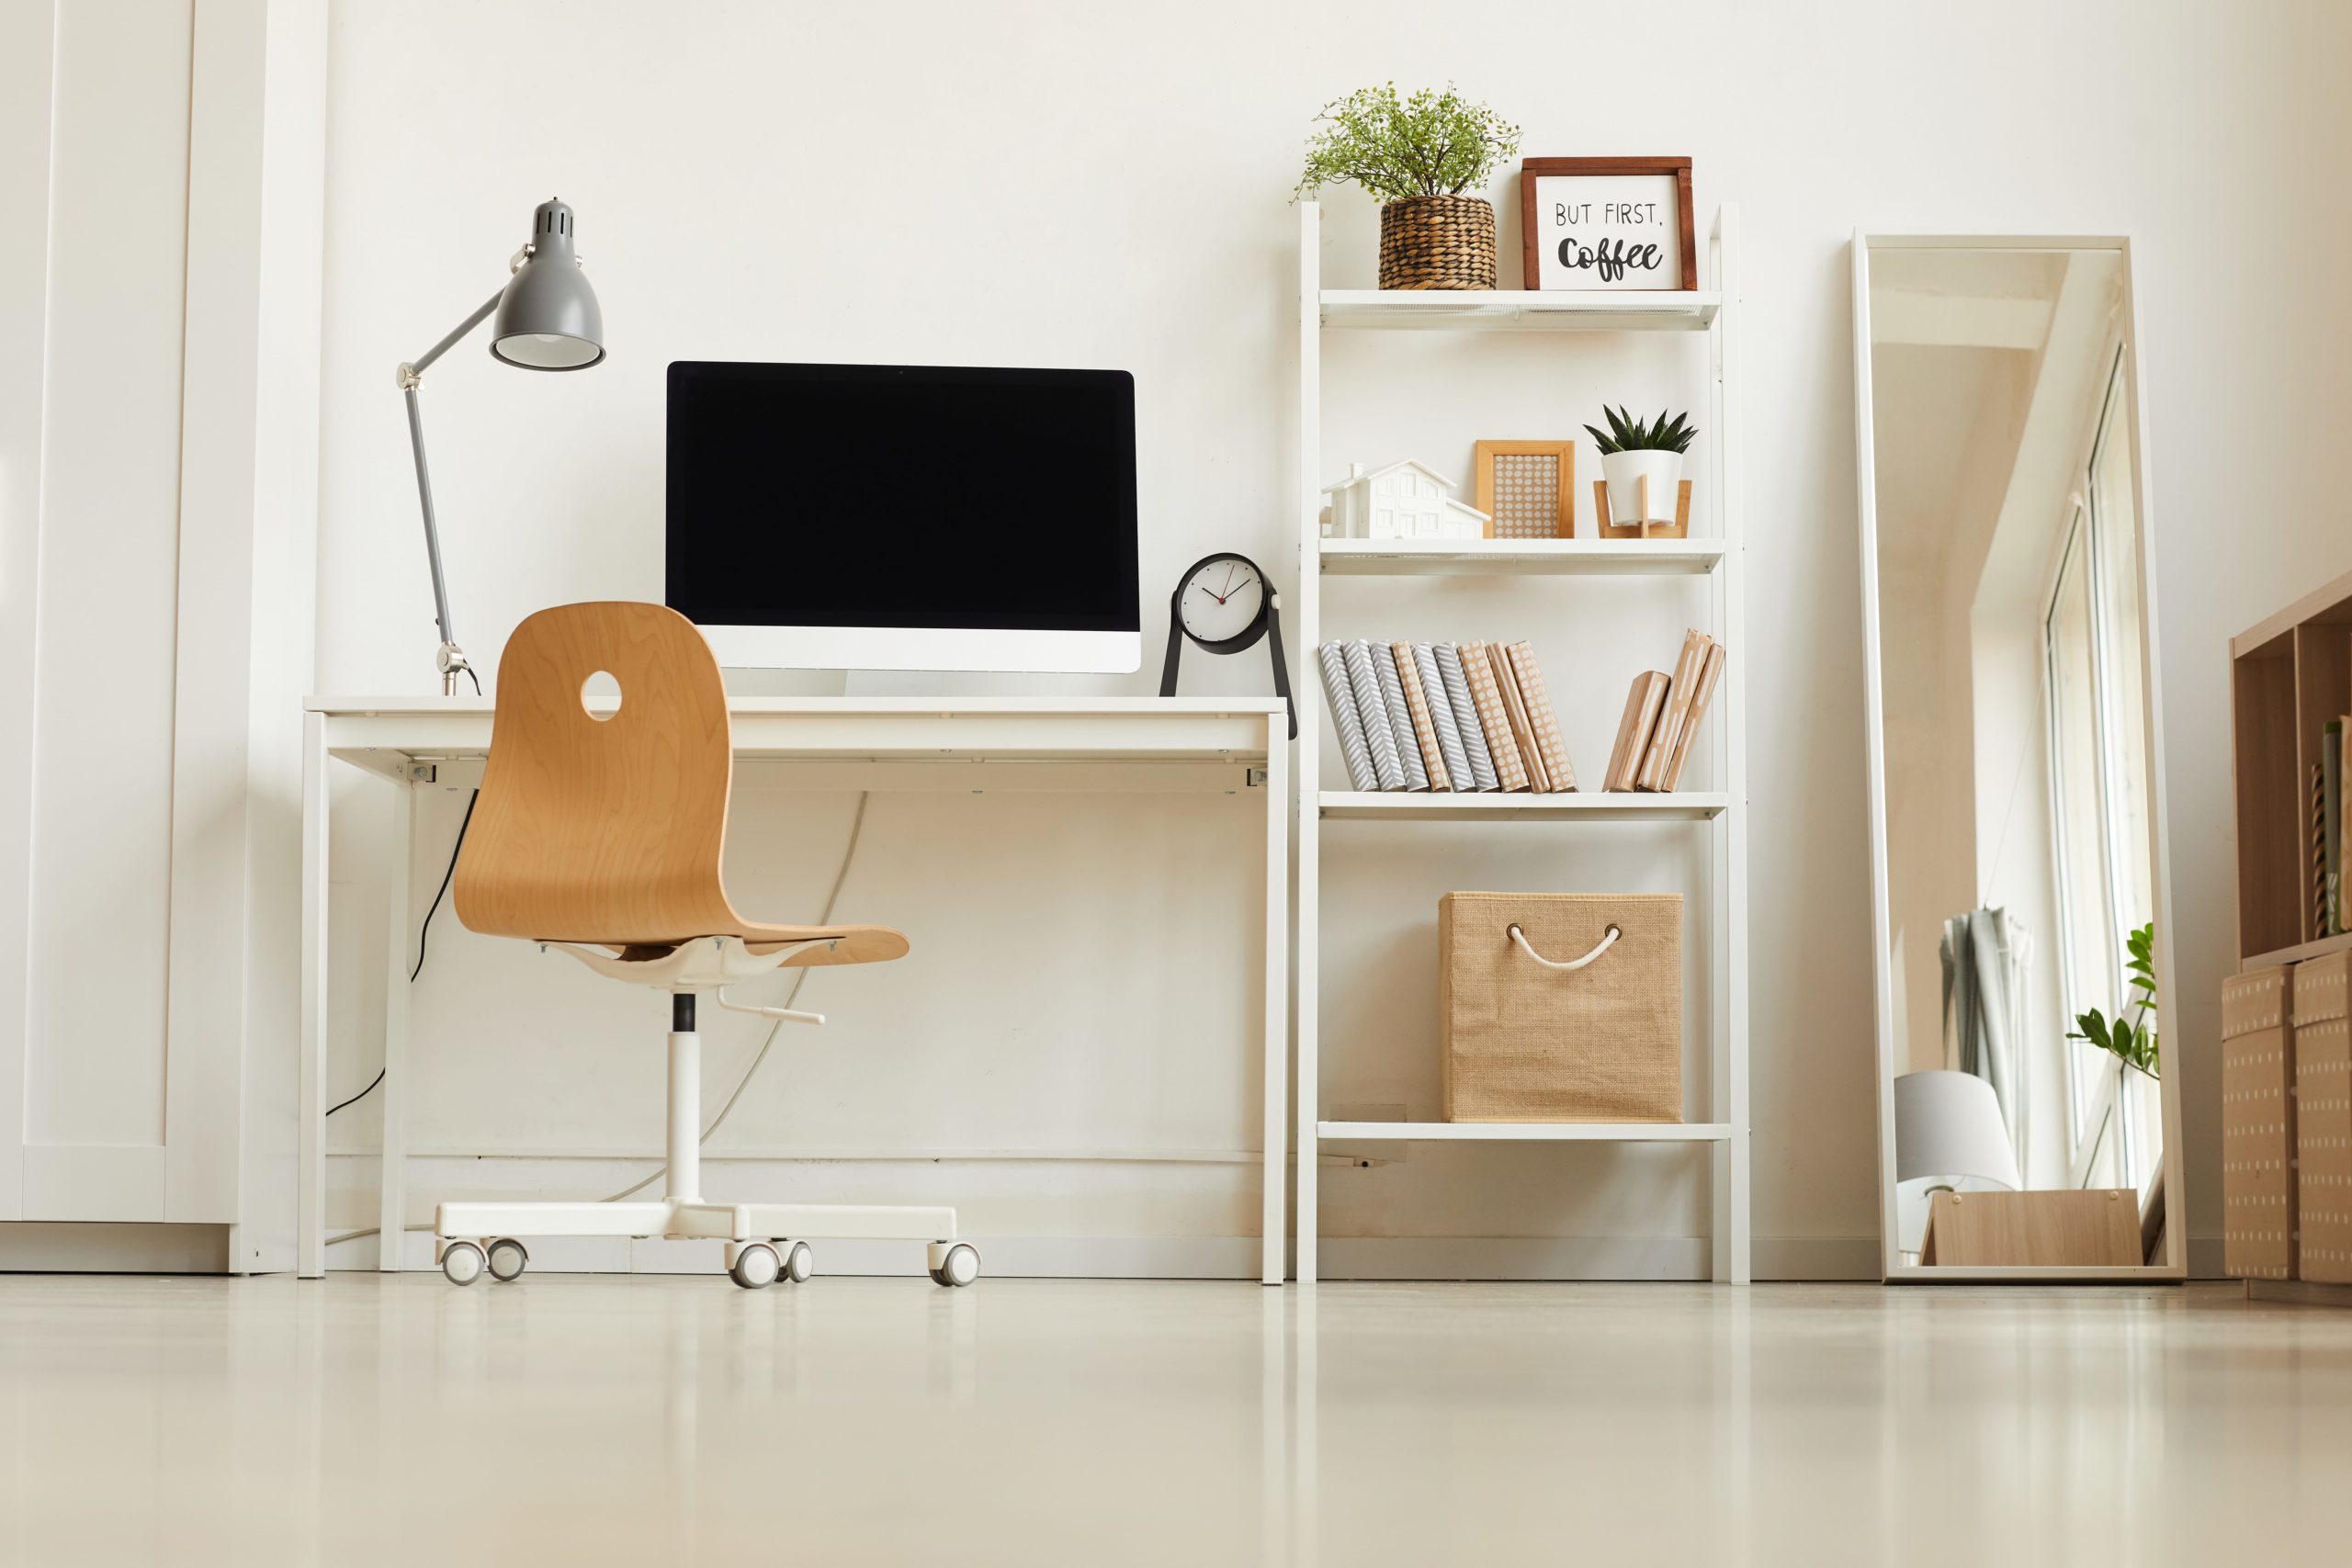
[
  {"x": 799, "y": 1262},
  {"x": 756, "y": 1266},
  {"x": 462, "y": 1262},
  {"x": 507, "y": 1260},
  {"x": 958, "y": 1265}
]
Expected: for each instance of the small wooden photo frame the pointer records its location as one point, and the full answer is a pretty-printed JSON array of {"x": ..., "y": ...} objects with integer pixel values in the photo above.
[
  {"x": 1652, "y": 528},
  {"x": 1607, "y": 223},
  {"x": 1527, "y": 488}
]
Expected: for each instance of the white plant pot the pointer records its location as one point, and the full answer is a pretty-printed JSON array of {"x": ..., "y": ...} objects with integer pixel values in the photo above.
[{"x": 1624, "y": 470}]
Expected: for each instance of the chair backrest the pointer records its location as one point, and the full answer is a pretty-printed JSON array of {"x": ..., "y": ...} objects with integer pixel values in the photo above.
[{"x": 603, "y": 829}]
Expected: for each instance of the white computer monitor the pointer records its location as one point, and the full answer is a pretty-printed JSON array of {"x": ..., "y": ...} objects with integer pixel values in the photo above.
[{"x": 904, "y": 516}]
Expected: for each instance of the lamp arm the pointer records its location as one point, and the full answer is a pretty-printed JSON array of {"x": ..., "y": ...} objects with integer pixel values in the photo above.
[{"x": 451, "y": 658}]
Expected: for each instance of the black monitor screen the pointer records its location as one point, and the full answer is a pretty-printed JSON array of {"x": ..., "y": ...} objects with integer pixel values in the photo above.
[{"x": 884, "y": 495}]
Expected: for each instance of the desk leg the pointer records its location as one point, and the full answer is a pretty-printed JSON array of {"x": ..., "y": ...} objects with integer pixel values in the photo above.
[
  {"x": 392, "y": 1184},
  {"x": 1277, "y": 971},
  {"x": 311, "y": 1189}
]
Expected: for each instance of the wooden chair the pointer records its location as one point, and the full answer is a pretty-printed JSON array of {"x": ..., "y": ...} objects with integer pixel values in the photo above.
[{"x": 600, "y": 831}]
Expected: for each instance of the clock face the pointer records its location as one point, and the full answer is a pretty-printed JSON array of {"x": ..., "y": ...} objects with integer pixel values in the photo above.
[{"x": 1221, "y": 601}]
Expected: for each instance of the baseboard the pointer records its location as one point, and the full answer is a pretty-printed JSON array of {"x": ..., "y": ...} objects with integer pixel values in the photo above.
[
  {"x": 93, "y": 1247},
  {"x": 1220, "y": 1257},
  {"x": 2299, "y": 1292}
]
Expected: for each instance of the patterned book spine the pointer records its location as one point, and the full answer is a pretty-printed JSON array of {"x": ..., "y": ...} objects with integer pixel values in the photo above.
[
  {"x": 1417, "y": 703},
  {"x": 1539, "y": 778},
  {"x": 1345, "y": 720},
  {"x": 1449, "y": 732},
  {"x": 1539, "y": 717},
  {"x": 1660, "y": 754},
  {"x": 1510, "y": 774},
  {"x": 1466, "y": 716},
  {"x": 2319, "y": 852},
  {"x": 1707, "y": 679},
  {"x": 1373, "y": 714},
  {"x": 1400, "y": 719}
]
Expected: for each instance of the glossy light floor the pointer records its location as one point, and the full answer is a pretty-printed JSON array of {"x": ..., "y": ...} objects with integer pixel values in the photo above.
[{"x": 654, "y": 1420}]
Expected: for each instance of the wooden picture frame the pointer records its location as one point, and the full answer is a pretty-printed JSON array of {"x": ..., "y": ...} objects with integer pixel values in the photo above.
[
  {"x": 1533, "y": 233},
  {"x": 1509, "y": 507}
]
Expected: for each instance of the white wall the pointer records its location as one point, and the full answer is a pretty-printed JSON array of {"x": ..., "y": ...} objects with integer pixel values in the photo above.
[{"x": 1096, "y": 184}]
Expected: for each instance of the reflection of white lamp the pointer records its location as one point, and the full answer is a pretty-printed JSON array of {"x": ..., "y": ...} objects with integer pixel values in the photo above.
[{"x": 1948, "y": 1137}]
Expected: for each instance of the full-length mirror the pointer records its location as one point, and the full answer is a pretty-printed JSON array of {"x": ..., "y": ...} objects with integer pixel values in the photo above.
[{"x": 2025, "y": 1106}]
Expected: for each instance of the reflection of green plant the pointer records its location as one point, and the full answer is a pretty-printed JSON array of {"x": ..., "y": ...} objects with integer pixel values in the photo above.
[
  {"x": 1629, "y": 435},
  {"x": 1429, "y": 144},
  {"x": 2132, "y": 1041}
]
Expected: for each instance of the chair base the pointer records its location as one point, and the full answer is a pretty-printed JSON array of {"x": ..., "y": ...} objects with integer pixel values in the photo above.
[
  {"x": 779, "y": 1228},
  {"x": 764, "y": 1241}
]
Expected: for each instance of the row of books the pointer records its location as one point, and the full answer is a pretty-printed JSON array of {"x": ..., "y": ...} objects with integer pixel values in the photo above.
[
  {"x": 1464, "y": 717},
  {"x": 1661, "y": 718}
]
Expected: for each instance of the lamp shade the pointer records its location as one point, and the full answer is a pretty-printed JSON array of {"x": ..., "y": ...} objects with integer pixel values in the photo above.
[
  {"x": 1948, "y": 1134},
  {"x": 547, "y": 318}
]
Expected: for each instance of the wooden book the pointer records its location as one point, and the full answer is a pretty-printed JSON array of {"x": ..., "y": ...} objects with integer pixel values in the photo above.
[
  {"x": 1416, "y": 704},
  {"x": 1540, "y": 716},
  {"x": 1539, "y": 777},
  {"x": 1642, "y": 704},
  {"x": 1659, "y": 754},
  {"x": 1494, "y": 719},
  {"x": 1708, "y": 676}
]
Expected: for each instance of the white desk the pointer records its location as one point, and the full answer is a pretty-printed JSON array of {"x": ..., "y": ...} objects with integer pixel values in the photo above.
[{"x": 1204, "y": 743}]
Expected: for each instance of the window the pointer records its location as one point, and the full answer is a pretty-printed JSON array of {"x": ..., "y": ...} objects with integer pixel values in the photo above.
[{"x": 2095, "y": 670}]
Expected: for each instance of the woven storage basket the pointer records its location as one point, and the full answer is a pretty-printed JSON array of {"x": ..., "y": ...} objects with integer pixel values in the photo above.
[
  {"x": 1437, "y": 242},
  {"x": 1543, "y": 1015}
]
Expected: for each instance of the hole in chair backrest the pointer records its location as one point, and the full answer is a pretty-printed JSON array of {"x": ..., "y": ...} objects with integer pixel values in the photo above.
[{"x": 601, "y": 696}]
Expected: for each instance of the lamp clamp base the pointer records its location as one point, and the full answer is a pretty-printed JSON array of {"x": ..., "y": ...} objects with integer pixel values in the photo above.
[{"x": 451, "y": 662}]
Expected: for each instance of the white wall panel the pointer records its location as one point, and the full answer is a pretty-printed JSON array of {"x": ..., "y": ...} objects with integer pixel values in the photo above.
[
  {"x": 26, "y": 36},
  {"x": 102, "y": 674}
]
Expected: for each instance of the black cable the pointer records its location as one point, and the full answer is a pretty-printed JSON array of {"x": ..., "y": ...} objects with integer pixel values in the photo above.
[
  {"x": 362, "y": 1094},
  {"x": 475, "y": 678},
  {"x": 426, "y": 930}
]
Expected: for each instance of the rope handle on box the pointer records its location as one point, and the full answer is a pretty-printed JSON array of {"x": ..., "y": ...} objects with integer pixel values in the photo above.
[{"x": 1603, "y": 945}]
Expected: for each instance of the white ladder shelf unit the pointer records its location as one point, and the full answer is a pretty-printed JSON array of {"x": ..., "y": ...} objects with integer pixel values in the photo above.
[{"x": 1720, "y": 813}]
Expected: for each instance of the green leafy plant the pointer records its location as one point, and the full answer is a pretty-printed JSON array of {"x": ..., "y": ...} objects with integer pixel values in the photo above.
[
  {"x": 1629, "y": 435},
  {"x": 1429, "y": 144},
  {"x": 2132, "y": 1041}
]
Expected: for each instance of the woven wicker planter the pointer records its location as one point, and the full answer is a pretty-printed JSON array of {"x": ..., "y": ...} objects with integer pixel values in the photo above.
[{"x": 1437, "y": 242}]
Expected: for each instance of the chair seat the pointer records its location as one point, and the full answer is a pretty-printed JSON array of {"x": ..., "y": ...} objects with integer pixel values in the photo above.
[{"x": 846, "y": 944}]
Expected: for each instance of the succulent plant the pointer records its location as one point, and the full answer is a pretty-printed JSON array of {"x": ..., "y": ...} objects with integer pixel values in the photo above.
[{"x": 1629, "y": 435}]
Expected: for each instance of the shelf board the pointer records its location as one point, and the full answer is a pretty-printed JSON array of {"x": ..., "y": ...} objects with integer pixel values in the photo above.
[
  {"x": 1565, "y": 557},
  {"x": 1527, "y": 1132},
  {"x": 1398, "y": 806},
  {"x": 2296, "y": 954},
  {"x": 1520, "y": 310}
]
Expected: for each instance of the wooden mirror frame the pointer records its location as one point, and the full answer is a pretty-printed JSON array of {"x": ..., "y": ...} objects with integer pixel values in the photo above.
[{"x": 2174, "y": 1266}]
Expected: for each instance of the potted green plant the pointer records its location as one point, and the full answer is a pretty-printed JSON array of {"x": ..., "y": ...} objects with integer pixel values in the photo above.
[
  {"x": 1633, "y": 450},
  {"x": 1417, "y": 154},
  {"x": 2130, "y": 1041}
]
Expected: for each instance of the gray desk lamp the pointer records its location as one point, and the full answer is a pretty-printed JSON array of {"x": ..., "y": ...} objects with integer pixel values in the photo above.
[{"x": 548, "y": 320}]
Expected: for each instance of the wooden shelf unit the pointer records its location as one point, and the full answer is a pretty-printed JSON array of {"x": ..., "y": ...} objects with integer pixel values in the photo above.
[
  {"x": 1720, "y": 1103},
  {"x": 2288, "y": 677}
]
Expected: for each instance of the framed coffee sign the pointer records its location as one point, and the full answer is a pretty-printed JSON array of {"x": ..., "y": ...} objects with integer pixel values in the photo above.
[{"x": 1607, "y": 223}]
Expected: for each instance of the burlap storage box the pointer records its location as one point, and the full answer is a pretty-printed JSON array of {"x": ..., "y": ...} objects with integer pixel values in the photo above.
[
  {"x": 2257, "y": 1128},
  {"x": 1543, "y": 1015},
  {"x": 2323, "y": 1051}
]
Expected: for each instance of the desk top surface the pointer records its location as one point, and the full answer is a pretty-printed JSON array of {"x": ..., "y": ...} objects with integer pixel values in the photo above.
[{"x": 940, "y": 707}]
